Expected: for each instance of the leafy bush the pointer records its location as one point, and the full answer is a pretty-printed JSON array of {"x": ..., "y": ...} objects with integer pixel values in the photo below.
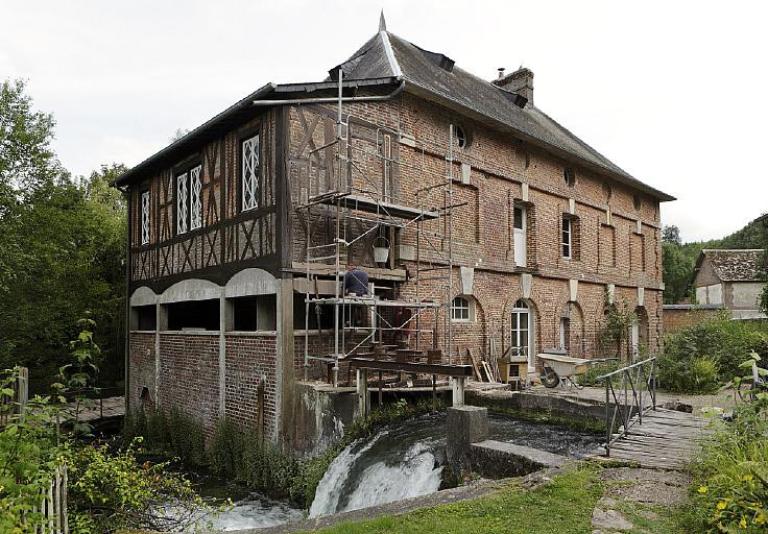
[
  {"x": 695, "y": 375},
  {"x": 699, "y": 358},
  {"x": 110, "y": 492},
  {"x": 731, "y": 476}
]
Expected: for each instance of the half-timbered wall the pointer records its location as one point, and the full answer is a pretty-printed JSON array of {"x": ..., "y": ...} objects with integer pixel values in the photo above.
[{"x": 229, "y": 239}]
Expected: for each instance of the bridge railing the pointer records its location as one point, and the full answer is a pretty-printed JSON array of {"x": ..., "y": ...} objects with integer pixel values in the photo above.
[{"x": 629, "y": 393}]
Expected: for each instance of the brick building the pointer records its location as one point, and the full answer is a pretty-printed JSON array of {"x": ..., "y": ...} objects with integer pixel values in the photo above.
[{"x": 531, "y": 229}]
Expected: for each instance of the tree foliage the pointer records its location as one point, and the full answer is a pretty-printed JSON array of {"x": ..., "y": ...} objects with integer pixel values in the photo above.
[{"x": 62, "y": 244}]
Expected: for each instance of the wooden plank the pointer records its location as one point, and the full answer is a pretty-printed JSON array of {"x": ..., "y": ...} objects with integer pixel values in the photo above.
[
  {"x": 488, "y": 372},
  {"x": 475, "y": 365}
]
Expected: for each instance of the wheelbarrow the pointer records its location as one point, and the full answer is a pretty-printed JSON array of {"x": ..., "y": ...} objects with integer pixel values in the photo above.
[{"x": 559, "y": 367}]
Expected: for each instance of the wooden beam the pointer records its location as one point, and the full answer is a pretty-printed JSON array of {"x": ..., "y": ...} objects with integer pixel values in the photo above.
[
  {"x": 374, "y": 273},
  {"x": 411, "y": 367}
]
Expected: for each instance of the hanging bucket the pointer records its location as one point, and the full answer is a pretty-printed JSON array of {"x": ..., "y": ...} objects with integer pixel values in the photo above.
[{"x": 381, "y": 249}]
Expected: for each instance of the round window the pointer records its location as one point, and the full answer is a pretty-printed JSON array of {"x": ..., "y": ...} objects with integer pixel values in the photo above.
[{"x": 461, "y": 136}]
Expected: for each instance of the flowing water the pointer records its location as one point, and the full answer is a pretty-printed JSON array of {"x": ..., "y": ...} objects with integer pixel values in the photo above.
[
  {"x": 255, "y": 511},
  {"x": 406, "y": 460}
]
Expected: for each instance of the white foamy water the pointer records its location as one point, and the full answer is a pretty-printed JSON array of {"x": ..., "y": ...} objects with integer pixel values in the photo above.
[
  {"x": 330, "y": 487},
  {"x": 394, "y": 465},
  {"x": 256, "y": 512},
  {"x": 417, "y": 475}
]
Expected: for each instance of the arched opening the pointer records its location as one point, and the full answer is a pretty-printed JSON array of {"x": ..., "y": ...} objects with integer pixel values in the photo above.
[
  {"x": 571, "y": 330},
  {"x": 639, "y": 333},
  {"x": 522, "y": 332}
]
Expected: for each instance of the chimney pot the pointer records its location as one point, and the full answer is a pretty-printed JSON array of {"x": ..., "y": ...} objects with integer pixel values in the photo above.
[{"x": 501, "y": 72}]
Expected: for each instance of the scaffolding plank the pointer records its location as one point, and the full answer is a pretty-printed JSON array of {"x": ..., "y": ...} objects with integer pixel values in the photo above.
[
  {"x": 371, "y": 205},
  {"x": 443, "y": 369},
  {"x": 374, "y": 302}
]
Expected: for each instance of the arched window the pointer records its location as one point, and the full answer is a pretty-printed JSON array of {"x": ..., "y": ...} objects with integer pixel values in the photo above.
[{"x": 461, "y": 310}]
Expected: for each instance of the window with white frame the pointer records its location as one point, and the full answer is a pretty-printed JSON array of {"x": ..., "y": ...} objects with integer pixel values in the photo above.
[
  {"x": 461, "y": 310},
  {"x": 182, "y": 201},
  {"x": 195, "y": 199},
  {"x": 566, "y": 240},
  {"x": 145, "y": 217},
  {"x": 250, "y": 172},
  {"x": 189, "y": 205}
]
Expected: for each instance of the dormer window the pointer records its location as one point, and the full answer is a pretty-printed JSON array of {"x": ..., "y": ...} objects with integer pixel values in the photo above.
[
  {"x": 189, "y": 207},
  {"x": 250, "y": 172}
]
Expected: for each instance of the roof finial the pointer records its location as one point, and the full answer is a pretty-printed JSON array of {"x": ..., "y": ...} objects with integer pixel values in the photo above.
[{"x": 382, "y": 22}]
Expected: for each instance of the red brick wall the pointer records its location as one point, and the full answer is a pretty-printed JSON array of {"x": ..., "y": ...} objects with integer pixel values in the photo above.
[
  {"x": 609, "y": 248},
  {"x": 675, "y": 319},
  {"x": 248, "y": 359},
  {"x": 141, "y": 368},
  {"x": 189, "y": 375}
]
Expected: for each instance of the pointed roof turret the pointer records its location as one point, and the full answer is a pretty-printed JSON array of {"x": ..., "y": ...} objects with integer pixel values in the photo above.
[{"x": 382, "y": 22}]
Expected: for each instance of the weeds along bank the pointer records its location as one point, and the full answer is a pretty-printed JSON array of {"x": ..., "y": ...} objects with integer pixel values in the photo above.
[
  {"x": 242, "y": 455},
  {"x": 706, "y": 356},
  {"x": 730, "y": 490}
]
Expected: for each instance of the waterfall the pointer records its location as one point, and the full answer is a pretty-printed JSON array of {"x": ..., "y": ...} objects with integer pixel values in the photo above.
[
  {"x": 390, "y": 467},
  {"x": 331, "y": 485}
]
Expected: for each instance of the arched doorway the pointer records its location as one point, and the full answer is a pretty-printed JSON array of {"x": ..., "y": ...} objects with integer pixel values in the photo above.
[{"x": 521, "y": 332}]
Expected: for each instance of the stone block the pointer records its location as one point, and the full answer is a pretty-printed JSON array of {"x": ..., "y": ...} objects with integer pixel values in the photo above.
[{"x": 465, "y": 425}]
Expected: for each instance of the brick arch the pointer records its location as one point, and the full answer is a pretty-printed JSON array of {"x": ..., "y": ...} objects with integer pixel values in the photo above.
[
  {"x": 506, "y": 328},
  {"x": 577, "y": 342},
  {"x": 643, "y": 322}
]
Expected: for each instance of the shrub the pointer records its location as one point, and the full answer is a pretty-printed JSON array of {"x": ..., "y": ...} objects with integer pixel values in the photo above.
[
  {"x": 113, "y": 491},
  {"x": 696, "y": 375},
  {"x": 689, "y": 355},
  {"x": 730, "y": 492}
]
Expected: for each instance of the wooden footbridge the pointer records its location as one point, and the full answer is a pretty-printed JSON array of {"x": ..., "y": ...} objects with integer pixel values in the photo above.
[{"x": 639, "y": 431}]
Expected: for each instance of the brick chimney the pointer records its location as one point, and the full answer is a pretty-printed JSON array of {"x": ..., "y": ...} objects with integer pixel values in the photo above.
[{"x": 520, "y": 82}]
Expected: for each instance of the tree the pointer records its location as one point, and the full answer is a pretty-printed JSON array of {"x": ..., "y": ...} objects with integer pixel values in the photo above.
[
  {"x": 677, "y": 269},
  {"x": 27, "y": 160},
  {"x": 671, "y": 234},
  {"x": 62, "y": 243}
]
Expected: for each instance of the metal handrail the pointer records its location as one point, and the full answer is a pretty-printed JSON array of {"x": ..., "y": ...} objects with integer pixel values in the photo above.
[{"x": 636, "y": 379}]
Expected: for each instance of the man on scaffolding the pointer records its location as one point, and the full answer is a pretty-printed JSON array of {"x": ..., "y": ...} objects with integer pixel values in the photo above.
[{"x": 355, "y": 285}]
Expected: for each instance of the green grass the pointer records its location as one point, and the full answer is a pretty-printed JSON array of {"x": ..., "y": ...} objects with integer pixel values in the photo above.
[{"x": 560, "y": 507}]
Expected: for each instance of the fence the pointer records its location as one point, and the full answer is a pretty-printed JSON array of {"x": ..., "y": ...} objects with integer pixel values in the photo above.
[
  {"x": 53, "y": 505},
  {"x": 629, "y": 393},
  {"x": 17, "y": 403}
]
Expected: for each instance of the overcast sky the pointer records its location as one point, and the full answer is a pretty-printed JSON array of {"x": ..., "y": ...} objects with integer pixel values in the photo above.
[{"x": 673, "y": 92}]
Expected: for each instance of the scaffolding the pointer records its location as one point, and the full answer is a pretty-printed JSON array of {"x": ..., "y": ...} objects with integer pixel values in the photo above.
[{"x": 369, "y": 202}]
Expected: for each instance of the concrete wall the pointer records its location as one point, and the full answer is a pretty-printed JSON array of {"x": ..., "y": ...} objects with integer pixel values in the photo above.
[
  {"x": 711, "y": 294},
  {"x": 744, "y": 295}
]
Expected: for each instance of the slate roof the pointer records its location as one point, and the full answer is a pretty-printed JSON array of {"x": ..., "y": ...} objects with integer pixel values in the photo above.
[
  {"x": 734, "y": 265},
  {"x": 434, "y": 76}
]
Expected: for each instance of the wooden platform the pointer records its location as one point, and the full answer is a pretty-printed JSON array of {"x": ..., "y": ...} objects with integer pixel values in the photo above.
[{"x": 666, "y": 439}]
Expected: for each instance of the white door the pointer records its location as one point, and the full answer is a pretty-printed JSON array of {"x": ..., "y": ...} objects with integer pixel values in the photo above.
[
  {"x": 522, "y": 332},
  {"x": 634, "y": 339},
  {"x": 519, "y": 236}
]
